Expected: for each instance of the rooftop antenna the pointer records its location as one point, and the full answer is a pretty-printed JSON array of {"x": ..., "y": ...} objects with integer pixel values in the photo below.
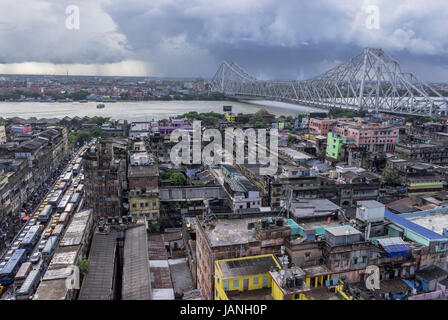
[
  {"x": 207, "y": 214},
  {"x": 287, "y": 205}
]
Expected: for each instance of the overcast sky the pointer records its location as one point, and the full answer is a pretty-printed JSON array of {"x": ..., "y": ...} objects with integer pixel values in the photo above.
[{"x": 271, "y": 39}]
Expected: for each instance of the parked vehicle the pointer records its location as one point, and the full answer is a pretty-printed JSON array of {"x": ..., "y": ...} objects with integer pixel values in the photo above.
[
  {"x": 36, "y": 257},
  {"x": 41, "y": 245}
]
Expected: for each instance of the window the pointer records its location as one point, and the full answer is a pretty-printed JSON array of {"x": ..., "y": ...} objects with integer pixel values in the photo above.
[
  {"x": 364, "y": 259},
  {"x": 236, "y": 283},
  {"x": 307, "y": 256},
  {"x": 355, "y": 260},
  {"x": 255, "y": 281}
]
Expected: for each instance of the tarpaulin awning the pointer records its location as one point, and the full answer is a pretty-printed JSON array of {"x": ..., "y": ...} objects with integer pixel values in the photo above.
[{"x": 394, "y": 247}]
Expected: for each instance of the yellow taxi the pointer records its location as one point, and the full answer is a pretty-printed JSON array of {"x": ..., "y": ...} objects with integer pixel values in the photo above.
[{"x": 48, "y": 233}]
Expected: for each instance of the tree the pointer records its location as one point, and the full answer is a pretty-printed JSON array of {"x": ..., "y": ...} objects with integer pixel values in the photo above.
[
  {"x": 391, "y": 177},
  {"x": 178, "y": 179},
  {"x": 291, "y": 139},
  {"x": 83, "y": 265}
]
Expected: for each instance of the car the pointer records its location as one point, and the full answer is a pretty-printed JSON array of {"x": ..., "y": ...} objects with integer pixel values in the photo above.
[
  {"x": 8, "y": 255},
  {"x": 32, "y": 222},
  {"x": 35, "y": 257},
  {"x": 75, "y": 185},
  {"x": 42, "y": 244},
  {"x": 2, "y": 264},
  {"x": 15, "y": 246},
  {"x": 27, "y": 228},
  {"x": 19, "y": 240}
]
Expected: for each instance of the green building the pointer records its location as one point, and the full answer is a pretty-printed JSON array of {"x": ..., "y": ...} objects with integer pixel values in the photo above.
[{"x": 335, "y": 145}]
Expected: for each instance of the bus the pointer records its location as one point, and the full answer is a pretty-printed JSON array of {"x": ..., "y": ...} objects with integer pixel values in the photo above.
[
  {"x": 22, "y": 273},
  {"x": 49, "y": 247},
  {"x": 68, "y": 177},
  {"x": 70, "y": 208},
  {"x": 57, "y": 231},
  {"x": 56, "y": 197},
  {"x": 64, "y": 218},
  {"x": 80, "y": 188},
  {"x": 29, "y": 285},
  {"x": 76, "y": 168},
  {"x": 9, "y": 271},
  {"x": 45, "y": 214},
  {"x": 63, "y": 203},
  {"x": 62, "y": 186},
  {"x": 31, "y": 238},
  {"x": 75, "y": 198}
]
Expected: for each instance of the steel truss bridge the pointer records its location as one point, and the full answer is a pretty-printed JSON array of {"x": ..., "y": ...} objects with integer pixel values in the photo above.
[{"x": 371, "y": 80}]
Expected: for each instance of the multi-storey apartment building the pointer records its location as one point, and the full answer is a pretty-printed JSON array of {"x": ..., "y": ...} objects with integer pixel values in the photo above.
[
  {"x": 144, "y": 191},
  {"x": 373, "y": 137},
  {"x": 105, "y": 177}
]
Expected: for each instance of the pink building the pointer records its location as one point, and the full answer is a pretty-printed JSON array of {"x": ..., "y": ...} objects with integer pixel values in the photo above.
[
  {"x": 321, "y": 126},
  {"x": 374, "y": 137}
]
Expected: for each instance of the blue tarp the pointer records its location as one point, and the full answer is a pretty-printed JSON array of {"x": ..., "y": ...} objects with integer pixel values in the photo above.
[{"x": 396, "y": 250}]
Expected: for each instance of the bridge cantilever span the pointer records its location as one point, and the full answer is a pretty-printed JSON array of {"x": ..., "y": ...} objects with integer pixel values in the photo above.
[{"x": 371, "y": 80}]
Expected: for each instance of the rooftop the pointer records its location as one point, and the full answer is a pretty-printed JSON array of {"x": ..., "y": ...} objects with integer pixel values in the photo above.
[
  {"x": 98, "y": 283},
  {"x": 225, "y": 232},
  {"x": 242, "y": 267},
  {"x": 342, "y": 231},
  {"x": 136, "y": 277},
  {"x": 143, "y": 171}
]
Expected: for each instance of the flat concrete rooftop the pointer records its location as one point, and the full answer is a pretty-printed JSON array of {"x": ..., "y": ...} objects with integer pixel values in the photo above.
[
  {"x": 434, "y": 221},
  {"x": 229, "y": 232}
]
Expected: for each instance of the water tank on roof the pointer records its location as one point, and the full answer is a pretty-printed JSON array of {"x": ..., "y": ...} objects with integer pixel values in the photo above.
[
  {"x": 264, "y": 224},
  {"x": 280, "y": 222},
  {"x": 298, "y": 281},
  {"x": 290, "y": 281}
]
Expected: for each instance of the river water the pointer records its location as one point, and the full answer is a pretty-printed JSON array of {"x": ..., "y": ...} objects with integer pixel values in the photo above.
[{"x": 142, "y": 110}]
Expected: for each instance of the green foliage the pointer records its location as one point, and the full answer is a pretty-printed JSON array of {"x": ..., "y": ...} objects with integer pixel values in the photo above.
[
  {"x": 151, "y": 228},
  {"x": 257, "y": 121},
  {"x": 78, "y": 138},
  {"x": 346, "y": 113},
  {"x": 391, "y": 177},
  {"x": 16, "y": 94},
  {"x": 83, "y": 265},
  {"x": 176, "y": 178},
  {"x": 79, "y": 95},
  {"x": 292, "y": 139},
  {"x": 98, "y": 120},
  {"x": 207, "y": 118}
]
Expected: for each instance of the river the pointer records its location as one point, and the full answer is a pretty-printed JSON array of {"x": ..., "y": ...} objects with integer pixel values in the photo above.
[{"x": 142, "y": 110}]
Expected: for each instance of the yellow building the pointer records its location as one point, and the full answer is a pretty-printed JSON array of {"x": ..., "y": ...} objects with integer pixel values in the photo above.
[
  {"x": 244, "y": 276},
  {"x": 145, "y": 205},
  {"x": 230, "y": 117},
  {"x": 144, "y": 192},
  {"x": 289, "y": 284}
]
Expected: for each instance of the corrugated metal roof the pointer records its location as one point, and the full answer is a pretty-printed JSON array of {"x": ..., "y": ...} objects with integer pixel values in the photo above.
[
  {"x": 403, "y": 222},
  {"x": 136, "y": 277},
  {"x": 98, "y": 282}
]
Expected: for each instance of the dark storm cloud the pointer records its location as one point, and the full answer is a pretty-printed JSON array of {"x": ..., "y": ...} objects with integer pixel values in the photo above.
[{"x": 271, "y": 39}]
